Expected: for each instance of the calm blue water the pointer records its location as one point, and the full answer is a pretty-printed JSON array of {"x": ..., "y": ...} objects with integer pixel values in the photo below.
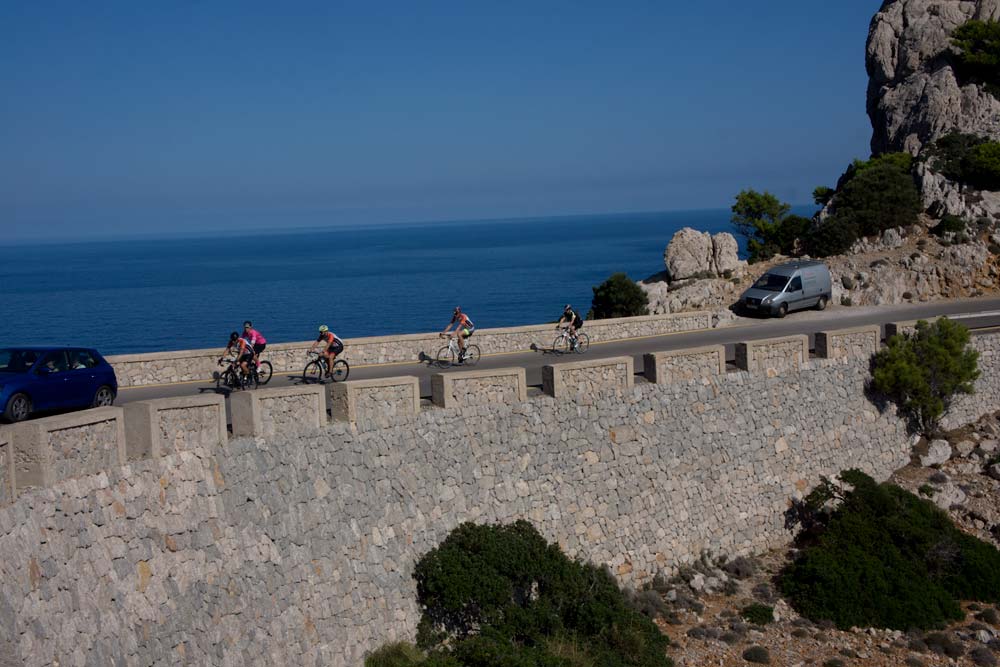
[{"x": 138, "y": 296}]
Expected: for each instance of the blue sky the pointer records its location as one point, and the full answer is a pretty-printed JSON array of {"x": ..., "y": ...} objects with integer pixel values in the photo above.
[{"x": 123, "y": 118}]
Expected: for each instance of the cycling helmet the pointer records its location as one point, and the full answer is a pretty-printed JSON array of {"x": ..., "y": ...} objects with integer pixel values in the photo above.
[
  {"x": 248, "y": 323},
  {"x": 323, "y": 328},
  {"x": 568, "y": 307},
  {"x": 233, "y": 336},
  {"x": 458, "y": 309}
]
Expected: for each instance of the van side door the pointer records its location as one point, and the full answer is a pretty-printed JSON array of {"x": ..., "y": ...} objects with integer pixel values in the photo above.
[
  {"x": 793, "y": 292},
  {"x": 811, "y": 289}
]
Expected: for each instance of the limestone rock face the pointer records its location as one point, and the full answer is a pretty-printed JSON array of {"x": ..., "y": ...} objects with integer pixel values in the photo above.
[
  {"x": 916, "y": 97},
  {"x": 694, "y": 254}
]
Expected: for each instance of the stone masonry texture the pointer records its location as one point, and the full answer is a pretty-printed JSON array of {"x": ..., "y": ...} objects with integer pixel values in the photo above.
[
  {"x": 184, "y": 428},
  {"x": 299, "y": 550},
  {"x": 6, "y": 463},
  {"x": 83, "y": 449}
]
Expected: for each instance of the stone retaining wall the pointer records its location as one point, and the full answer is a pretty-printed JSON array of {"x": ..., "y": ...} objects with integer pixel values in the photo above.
[
  {"x": 773, "y": 355},
  {"x": 907, "y": 327},
  {"x": 862, "y": 342},
  {"x": 286, "y": 410},
  {"x": 7, "y": 484},
  {"x": 584, "y": 381},
  {"x": 683, "y": 365},
  {"x": 487, "y": 387},
  {"x": 191, "y": 365},
  {"x": 168, "y": 425},
  {"x": 379, "y": 403},
  {"x": 50, "y": 450}
]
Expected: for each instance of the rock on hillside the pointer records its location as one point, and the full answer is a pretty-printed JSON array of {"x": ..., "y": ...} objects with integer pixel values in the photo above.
[
  {"x": 694, "y": 254},
  {"x": 903, "y": 265},
  {"x": 915, "y": 96}
]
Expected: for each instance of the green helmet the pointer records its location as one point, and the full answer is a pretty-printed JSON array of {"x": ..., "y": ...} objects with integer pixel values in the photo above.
[{"x": 323, "y": 328}]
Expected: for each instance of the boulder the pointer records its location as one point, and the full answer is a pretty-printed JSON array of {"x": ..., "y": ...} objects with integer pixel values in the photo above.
[
  {"x": 965, "y": 448},
  {"x": 688, "y": 254},
  {"x": 994, "y": 471},
  {"x": 938, "y": 451},
  {"x": 694, "y": 254},
  {"x": 988, "y": 446}
]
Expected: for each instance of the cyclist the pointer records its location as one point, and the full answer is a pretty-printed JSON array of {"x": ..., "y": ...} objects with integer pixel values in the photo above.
[
  {"x": 570, "y": 321},
  {"x": 463, "y": 327},
  {"x": 241, "y": 349},
  {"x": 333, "y": 346},
  {"x": 256, "y": 340}
]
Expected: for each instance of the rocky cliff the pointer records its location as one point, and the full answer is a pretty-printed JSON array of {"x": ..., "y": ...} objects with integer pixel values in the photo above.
[{"x": 915, "y": 93}]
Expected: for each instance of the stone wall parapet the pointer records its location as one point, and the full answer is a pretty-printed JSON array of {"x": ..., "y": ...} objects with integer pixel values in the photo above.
[
  {"x": 162, "y": 426},
  {"x": 7, "y": 482},
  {"x": 773, "y": 355},
  {"x": 860, "y": 342},
  {"x": 284, "y": 410},
  {"x": 583, "y": 381},
  {"x": 52, "y": 449},
  {"x": 672, "y": 366},
  {"x": 378, "y": 403},
  {"x": 481, "y": 387},
  {"x": 150, "y": 368}
]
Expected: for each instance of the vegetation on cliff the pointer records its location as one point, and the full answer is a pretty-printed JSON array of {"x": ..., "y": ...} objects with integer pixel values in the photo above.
[
  {"x": 618, "y": 296},
  {"x": 767, "y": 225},
  {"x": 924, "y": 371},
  {"x": 966, "y": 159},
  {"x": 876, "y": 555},
  {"x": 500, "y": 595},
  {"x": 978, "y": 61}
]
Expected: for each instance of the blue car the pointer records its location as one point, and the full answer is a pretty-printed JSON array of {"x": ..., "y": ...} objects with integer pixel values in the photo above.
[{"x": 38, "y": 379}]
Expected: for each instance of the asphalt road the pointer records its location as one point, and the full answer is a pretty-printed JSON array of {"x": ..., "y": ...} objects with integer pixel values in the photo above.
[{"x": 974, "y": 313}]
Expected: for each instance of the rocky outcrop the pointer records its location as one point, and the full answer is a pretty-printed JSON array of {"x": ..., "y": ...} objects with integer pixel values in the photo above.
[
  {"x": 694, "y": 254},
  {"x": 916, "y": 96}
]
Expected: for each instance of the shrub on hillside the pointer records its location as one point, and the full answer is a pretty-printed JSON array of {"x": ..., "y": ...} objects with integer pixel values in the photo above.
[
  {"x": 502, "y": 595},
  {"x": 982, "y": 166},
  {"x": 823, "y": 194},
  {"x": 834, "y": 236},
  {"x": 766, "y": 224},
  {"x": 922, "y": 372},
  {"x": 883, "y": 557},
  {"x": 618, "y": 296},
  {"x": 978, "y": 61},
  {"x": 967, "y": 159},
  {"x": 949, "y": 224},
  {"x": 878, "y": 194}
]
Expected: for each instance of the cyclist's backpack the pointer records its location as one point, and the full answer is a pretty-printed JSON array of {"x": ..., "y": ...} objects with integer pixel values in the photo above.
[{"x": 577, "y": 321}]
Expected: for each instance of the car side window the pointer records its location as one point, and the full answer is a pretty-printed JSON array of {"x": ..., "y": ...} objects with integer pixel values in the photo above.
[
  {"x": 54, "y": 362},
  {"x": 795, "y": 285},
  {"x": 80, "y": 359}
]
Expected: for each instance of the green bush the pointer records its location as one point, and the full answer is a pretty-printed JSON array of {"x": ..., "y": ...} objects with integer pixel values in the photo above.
[
  {"x": 618, "y": 296},
  {"x": 978, "y": 44},
  {"x": 501, "y": 595},
  {"x": 922, "y": 372},
  {"x": 878, "y": 194},
  {"x": 823, "y": 194},
  {"x": 398, "y": 654},
  {"x": 949, "y": 224},
  {"x": 767, "y": 225},
  {"x": 885, "y": 558},
  {"x": 982, "y": 166},
  {"x": 759, "y": 614},
  {"x": 967, "y": 159},
  {"x": 834, "y": 236},
  {"x": 757, "y": 654}
]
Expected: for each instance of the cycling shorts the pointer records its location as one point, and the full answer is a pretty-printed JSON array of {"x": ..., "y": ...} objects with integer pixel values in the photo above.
[
  {"x": 467, "y": 332},
  {"x": 258, "y": 348},
  {"x": 246, "y": 356},
  {"x": 336, "y": 347}
]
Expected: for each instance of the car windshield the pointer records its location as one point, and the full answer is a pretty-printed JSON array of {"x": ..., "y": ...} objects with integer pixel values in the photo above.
[
  {"x": 771, "y": 282},
  {"x": 13, "y": 360}
]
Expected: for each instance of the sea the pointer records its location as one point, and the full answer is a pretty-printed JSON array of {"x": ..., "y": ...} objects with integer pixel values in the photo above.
[{"x": 142, "y": 295}]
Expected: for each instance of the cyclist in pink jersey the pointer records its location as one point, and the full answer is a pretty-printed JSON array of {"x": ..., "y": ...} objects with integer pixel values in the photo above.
[{"x": 256, "y": 340}]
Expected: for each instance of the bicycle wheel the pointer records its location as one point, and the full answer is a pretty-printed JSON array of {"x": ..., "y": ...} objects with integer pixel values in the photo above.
[
  {"x": 582, "y": 343},
  {"x": 471, "y": 355},
  {"x": 340, "y": 370},
  {"x": 445, "y": 357},
  {"x": 228, "y": 379},
  {"x": 314, "y": 372},
  {"x": 560, "y": 344},
  {"x": 264, "y": 372},
  {"x": 247, "y": 380}
]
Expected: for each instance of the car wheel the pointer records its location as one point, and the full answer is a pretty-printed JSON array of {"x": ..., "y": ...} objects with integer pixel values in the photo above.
[
  {"x": 18, "y": 408},
  {"x": 821, "y": 304},
  {"x": 103, "y": 397},
  {"x": 782, "y": 310}
]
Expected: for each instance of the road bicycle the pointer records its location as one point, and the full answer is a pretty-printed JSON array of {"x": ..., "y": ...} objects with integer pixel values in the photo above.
[
  {"x": 450, "y": 355},
  {"x": 565, "y": 343},
  {"x": 234, "y": 378},
  {"x": 315, "y": 371}
]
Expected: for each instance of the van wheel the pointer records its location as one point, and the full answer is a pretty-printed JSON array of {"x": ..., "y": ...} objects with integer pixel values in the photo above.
[
  {"x": 782, "y": 310},
  {"x": 821, "y": 304}
]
